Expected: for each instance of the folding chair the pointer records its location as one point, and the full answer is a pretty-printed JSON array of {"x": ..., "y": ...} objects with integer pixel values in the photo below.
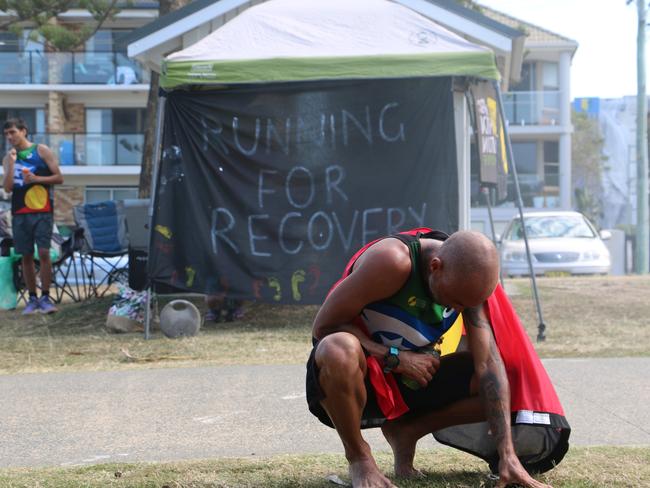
[
  {"x": 67, "y": 270},
  {"x": 66, "y": 275},
  {"x": 105, "y": 249}
]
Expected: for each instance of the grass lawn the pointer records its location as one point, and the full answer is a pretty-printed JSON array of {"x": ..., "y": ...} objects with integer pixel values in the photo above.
[
  {"x": 604, "y": 316},
  {"x": 595, "y": 316},
  {"x": 597, "y": 467},
  {"x": 591, "y": 316}
]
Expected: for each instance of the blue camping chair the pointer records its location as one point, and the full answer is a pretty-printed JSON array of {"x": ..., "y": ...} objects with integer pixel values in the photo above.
[{"x": 106, "y": 245}]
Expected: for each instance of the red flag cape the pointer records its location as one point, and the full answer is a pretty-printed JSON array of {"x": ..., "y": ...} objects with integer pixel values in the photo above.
[{"x": 539, "y": 429}]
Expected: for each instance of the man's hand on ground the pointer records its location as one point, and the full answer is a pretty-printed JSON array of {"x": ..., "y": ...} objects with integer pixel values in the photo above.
[
  {"x": 417, "y": 366},
  {"x": 512, "y": 472}
]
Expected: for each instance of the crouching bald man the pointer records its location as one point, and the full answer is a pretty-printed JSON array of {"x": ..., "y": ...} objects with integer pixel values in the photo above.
[{"x": 372, "y": 364}]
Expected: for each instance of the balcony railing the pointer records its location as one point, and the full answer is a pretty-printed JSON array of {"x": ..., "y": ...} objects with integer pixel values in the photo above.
[
  {"x": 37, "y": 67},
  {"x": 532, "y": 108},
  {"x": 93, "y": 149}
]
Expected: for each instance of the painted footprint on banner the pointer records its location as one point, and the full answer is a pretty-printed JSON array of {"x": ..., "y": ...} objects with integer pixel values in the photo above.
[
  {"x": 190, "y": 273},
  {"x": 297, "y": 278},
  {"x": 275, "y": 284}
]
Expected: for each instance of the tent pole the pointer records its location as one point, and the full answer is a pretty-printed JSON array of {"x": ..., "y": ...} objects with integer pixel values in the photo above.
[
  {"x": 488, "y": 202},
  {"x": 541, "y": 330},
  {"x": 154, "y": 185}
]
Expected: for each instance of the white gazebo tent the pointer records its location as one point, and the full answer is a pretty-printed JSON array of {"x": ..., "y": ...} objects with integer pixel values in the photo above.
[{"x": 293, "y": 41}]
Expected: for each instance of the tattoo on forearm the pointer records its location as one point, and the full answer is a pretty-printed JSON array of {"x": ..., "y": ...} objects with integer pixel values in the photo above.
[
  {"x": 493, "y": 382},
  {"x": 495, "y": 392},
  {"x": 491, "y": 390}
]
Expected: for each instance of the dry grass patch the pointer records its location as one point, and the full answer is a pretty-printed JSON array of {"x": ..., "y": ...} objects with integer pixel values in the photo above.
[
  {"x": 76, "y": 339},
  {"x": 592, "y": 316},
  {"x": 606, "y": 467}
]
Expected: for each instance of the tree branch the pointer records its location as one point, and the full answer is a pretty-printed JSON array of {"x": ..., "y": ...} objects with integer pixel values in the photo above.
[{"x": 109, "y": 12}]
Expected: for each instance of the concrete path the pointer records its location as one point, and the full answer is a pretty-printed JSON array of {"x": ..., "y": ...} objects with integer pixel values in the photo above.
[{"x": 194, "y": 413}]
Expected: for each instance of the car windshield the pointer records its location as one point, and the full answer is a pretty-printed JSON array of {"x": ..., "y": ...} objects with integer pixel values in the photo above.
[{"x": 551, "y": 226}]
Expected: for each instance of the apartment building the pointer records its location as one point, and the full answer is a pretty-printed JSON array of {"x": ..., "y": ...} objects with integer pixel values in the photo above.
[
  {"x": 87, "y": 105},
  {"x": 538, "y": 110}
]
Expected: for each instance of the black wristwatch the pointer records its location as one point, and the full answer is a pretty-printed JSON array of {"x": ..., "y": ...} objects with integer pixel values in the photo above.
[{"x": 391, "y": 359}]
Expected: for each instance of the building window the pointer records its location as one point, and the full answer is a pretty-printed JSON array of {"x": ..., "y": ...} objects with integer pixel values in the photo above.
[
  {"x": 114, "y": 136},
  {"x": 551, "y": 163},
  {"x": 33, "y": 117},
  {"x": 115, "y": 120},
  {"x": 104, "y": 40},
  {"x": 530, "y": 183},
  {"x": 102, "y": 194},
  {"x": 104, "y": 61},
  {"x": 551, "y": 151},
  {"x": 10, "y": 42},
  {"x": 128, "y": 120},
  {"x": 550, "y": 76},
  {"x": 525, "y": 154},
  {"x": 527, "y": 81}
]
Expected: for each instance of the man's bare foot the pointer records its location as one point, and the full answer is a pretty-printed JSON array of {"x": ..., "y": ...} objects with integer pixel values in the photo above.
[
  {"x": 366, "y": 474},
  {"x": 403, "y": 446}
]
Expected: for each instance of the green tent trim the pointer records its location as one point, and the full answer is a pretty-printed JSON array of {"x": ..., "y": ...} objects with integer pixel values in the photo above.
[{"x": 477, "y": 64}]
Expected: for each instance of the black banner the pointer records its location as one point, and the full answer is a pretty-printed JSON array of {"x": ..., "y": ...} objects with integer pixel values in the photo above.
[
  {"x": 265, "y": 191},
  {"x": 490, "y": 138}
]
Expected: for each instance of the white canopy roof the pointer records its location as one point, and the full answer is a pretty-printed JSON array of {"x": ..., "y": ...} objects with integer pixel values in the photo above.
[{"x": 284, "y": 40}]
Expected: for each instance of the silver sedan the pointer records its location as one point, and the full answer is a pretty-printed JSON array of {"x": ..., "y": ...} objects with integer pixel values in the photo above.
[{"x": 560, "y": 243}]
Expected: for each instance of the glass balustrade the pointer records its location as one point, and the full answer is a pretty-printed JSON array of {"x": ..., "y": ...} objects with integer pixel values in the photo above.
[
  {"x": 92, "y": 149},
  {"x": 37, "y": 67},
  {"x": 532, "y": 107},
  {"x": 14, "y": 67}
]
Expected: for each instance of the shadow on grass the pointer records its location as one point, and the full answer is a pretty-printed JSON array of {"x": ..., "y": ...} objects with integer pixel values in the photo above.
[
  {"x": 457, "y": 479},
  {"x": 469, "y": 479},
  {"x": 87, "y": 317}
]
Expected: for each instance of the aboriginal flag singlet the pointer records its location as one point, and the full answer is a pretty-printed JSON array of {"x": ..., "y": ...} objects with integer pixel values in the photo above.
[{"x": 34, "y": 197}]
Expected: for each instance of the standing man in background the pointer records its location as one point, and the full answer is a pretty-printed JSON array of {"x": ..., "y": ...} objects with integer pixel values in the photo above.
[{"x": 30, "y": 170}]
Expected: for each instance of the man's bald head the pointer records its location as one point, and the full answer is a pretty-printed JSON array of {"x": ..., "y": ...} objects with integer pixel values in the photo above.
[
  {"x": 469, "y": 253},
  {"x": 467, "y": 268}
]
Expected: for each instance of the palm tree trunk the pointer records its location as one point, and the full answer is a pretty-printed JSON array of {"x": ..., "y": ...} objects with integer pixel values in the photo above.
[{"x": 148, "y": 152}]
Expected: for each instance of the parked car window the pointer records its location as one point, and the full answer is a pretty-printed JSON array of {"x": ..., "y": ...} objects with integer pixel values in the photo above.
[{"x": 554, "y": 226}]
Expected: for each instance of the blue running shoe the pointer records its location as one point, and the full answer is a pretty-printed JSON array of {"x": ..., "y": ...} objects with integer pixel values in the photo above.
[
  {"x": 33, "y": 306},
  {"x": 46, "y": 305}
]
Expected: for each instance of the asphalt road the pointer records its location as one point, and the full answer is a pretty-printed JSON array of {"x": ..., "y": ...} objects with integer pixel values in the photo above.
[{"x": 67, "y": 419}]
